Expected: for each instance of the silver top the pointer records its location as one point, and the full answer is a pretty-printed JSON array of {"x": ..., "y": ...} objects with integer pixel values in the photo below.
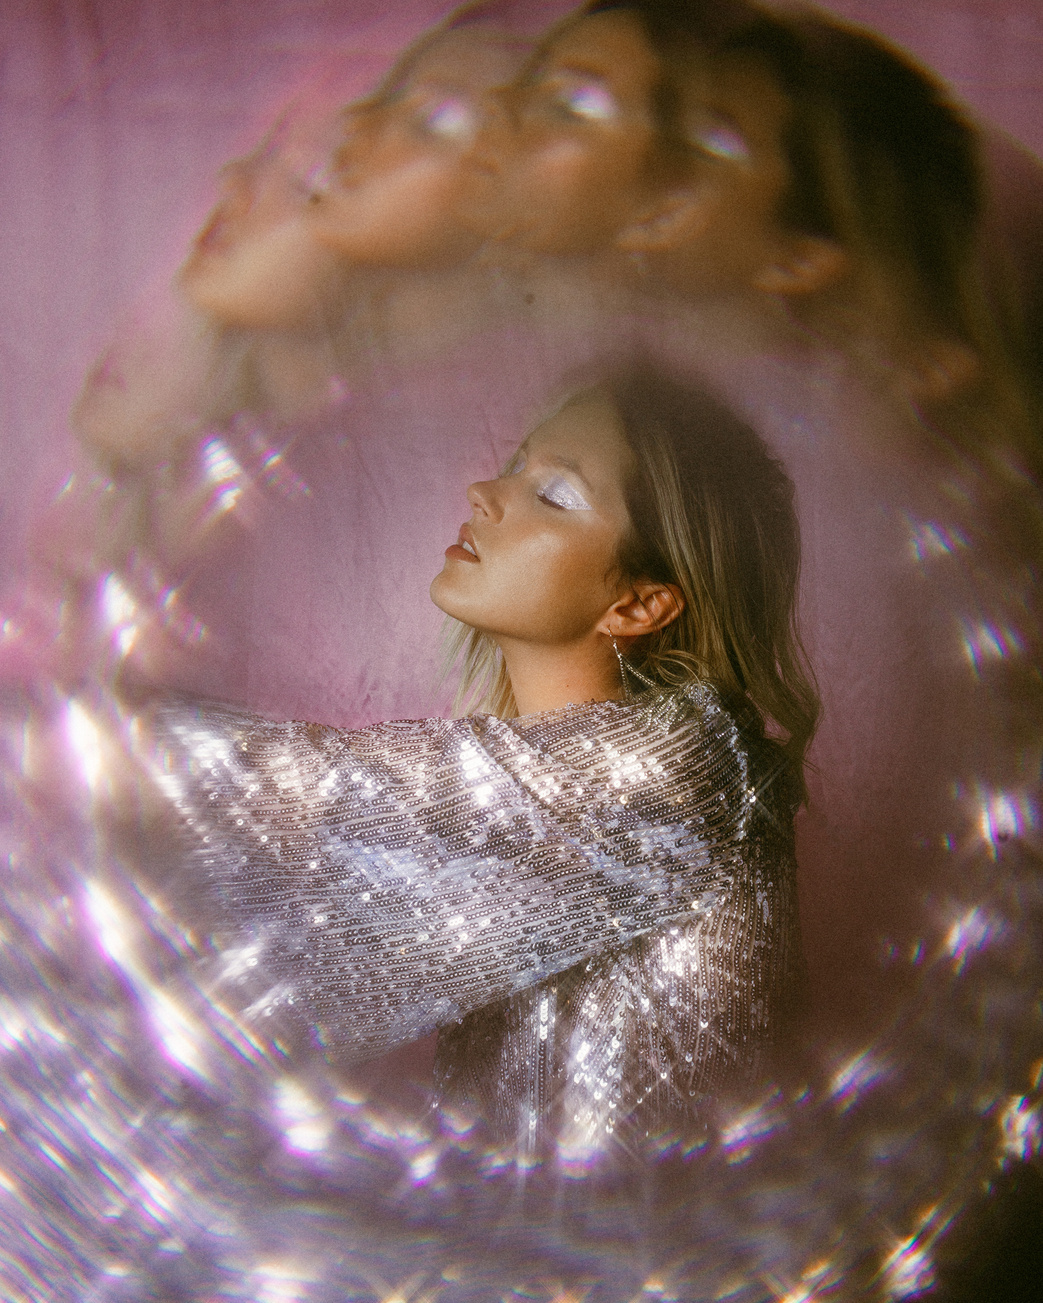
[{"x": 595, "y": 905}]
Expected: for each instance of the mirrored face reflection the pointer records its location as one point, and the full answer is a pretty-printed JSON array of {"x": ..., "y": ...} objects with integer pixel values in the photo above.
[
  {"x": 577, "y": 161},
  {"x": 400, "y": 177},
  {"x": 734, "y": 121},
  {"x": 255, "y": 263},
  {"x": 536, "y": 562},
  {"x": 568, "y": 162}
]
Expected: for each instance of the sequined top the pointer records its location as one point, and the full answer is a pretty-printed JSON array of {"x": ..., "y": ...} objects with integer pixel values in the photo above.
[{"x": 595, "y": 905}]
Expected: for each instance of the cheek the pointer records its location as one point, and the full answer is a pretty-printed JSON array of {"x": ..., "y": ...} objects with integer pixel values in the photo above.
[
  {"x": 564, "y": 582},
  {"x": 397, "y": 213},
  {"x": 264, "y": 281},
  {"x": 575, "y": 194},
  {"x": 540, "y": 588},
  {"x": 564, "y": 173},
  {"x": 735, "y": 231}
]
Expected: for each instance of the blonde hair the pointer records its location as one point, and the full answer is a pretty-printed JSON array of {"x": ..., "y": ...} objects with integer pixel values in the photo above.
[{"x": 712, "y": 512}]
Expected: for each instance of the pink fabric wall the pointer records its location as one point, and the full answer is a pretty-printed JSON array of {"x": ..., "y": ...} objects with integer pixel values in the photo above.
[{"x": 114, "y": 118}]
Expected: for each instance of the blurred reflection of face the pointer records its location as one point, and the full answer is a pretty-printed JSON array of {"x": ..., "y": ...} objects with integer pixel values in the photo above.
[
  {"x": 256, "y": 263},
  {"x": 573, "y": 167},
  {"x": 734, "y": 120},
  {"x": 537, "y": 562},
  {"x": 400, "y": 177},
  {"x": 145, "y": 381},
  {"x": 569, "y": 163}
]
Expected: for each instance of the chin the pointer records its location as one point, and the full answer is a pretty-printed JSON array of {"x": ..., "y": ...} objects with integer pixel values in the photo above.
[
  {"x": 448, "y": 602},
  {"x": 437, "y": 593}
]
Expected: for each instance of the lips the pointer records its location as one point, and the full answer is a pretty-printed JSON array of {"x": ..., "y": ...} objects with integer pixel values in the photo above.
[{"x": 464, "y": 548}]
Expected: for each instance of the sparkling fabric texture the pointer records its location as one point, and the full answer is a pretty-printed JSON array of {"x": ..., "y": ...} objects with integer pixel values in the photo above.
[{"x": 596, "y": 905}]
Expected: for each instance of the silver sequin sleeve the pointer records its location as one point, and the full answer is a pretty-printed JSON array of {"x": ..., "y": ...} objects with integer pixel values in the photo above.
[{"x": 386, "y": 881}]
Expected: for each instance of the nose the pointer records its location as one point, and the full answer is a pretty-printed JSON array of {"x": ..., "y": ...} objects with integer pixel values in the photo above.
[
  {"x": 355, "y": 120},
  {"x": 486, "y": 499},
  {"x": 238, "y": 183},
  {"x": 496, "y": 126}
]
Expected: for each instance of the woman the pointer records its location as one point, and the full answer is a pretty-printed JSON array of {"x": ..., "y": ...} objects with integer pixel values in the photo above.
[
  {"x": 591, "y": 891},
  {"x": 810, "y": 200}
]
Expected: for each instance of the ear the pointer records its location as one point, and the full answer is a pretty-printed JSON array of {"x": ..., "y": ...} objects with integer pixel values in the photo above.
[
  {"x": 806, "y": 263},
  {"x": 940, "y": 370},
  {"x": 662, "y": 225},
  {"x": 646, "y": 607}
]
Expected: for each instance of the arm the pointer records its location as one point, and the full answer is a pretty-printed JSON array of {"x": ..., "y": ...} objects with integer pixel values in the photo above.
[{"x": 388, "y": 880}]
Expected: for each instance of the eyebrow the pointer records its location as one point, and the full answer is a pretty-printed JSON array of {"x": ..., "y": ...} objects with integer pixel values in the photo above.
[
  {"x": 572, "y": 67},
  {"x": 562, "y": 463},
  {"x": 566, "y": 464}
]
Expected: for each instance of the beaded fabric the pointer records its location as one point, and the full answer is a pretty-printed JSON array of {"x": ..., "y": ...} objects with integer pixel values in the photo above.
[{"x": 596, "y": 904}]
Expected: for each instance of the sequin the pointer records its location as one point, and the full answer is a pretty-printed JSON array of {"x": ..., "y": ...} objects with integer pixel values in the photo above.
[{"x": 594, "y": 964}]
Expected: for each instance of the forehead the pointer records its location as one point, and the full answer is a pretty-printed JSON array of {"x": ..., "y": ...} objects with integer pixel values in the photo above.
[
  {"x": 466, "y": 59},
  {"x": 586, "y": 433},
  {"x": 612, "y": 46}
]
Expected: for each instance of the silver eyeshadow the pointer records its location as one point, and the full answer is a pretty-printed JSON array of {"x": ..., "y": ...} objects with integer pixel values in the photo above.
[
  {"x": 451, "y": 117},
  {"x": 560, "y": 493},
  {"x": 557, "y": 490},
  {"x": 718, "y": 139},
  {"x": 587, "y": 99}
]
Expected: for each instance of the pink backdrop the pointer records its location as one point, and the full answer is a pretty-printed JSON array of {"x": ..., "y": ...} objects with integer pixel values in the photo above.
[{"x": 114, "y": 119}]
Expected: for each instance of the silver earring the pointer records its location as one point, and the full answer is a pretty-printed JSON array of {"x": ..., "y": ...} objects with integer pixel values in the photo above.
[
  {"x": 627, "y": 694},
  {"x": 628, "y": 672}
]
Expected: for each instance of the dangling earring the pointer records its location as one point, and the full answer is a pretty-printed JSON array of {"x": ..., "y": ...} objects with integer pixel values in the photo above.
[
  {"x": 627, "y": 694},
  {"x": 628, "y": 672}
]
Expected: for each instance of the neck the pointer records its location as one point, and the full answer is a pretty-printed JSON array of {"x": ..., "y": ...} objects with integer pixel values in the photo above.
[
  {"x": 546, "y": 678},
  {"x": 293, "y": 371}
]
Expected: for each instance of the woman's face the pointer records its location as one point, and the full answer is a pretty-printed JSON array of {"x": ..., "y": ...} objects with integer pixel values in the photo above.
[
  {"x": 256, "y": 263},
  {"x": 567, "y": 162},
  {"x": 572, "y": 164},
  {"x": 735, "y": 117},
  {"x": 401, "y": 175},
  {"x": 536, "y": 563}
]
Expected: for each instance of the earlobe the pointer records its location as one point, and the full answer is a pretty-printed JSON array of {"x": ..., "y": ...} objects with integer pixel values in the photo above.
[
  {"x": 809, "y": 263},
  {"x": 940, "y": 370}
]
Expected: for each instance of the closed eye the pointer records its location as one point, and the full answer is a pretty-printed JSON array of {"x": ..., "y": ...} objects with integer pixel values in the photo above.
[
  {"x": 587, "y": 100},
  {"x": 451, "y": 119},
  {"x": 558, "y": 492},
  {"x": 719, "y": 140},
  {"x": 575, "y": 98}
]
